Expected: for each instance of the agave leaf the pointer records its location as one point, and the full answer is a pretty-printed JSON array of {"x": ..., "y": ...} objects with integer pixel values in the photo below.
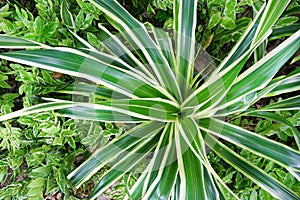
[
  {"x": 260, "y": 74},
  {"x": 190, "y": 172},
  {"x": 251, "y": 171},
  {"x": 136, "y": 34},
  {"x": 283, "y": 85},
  {"x": 277, "y": 86},
  {"x": 90, "y": 113},
  {"x": 72, "y": 62},
  {"x": 162, "y": 169},
  {"x": 145, "y": 109},
  {"x": 212, "y": 189},
  {"x": 44, "y": 107},
  {"x": 281, "y": 154},
  {"x": 244, "y": 42},
  {"x": 274, "y": 9},
  {"x": 292, "y": 103},
  {"x": 119, "y": 145},
  {"x": 215, "y": 88},
  {"x": 278, "y": 118},
  {"x": 84, "y": 89},
  {"x": 132, "y": 157},
  {"x": 185, "y": 27},
  {"x": 9, "y": 42},
  {"x": 164, "y": 41},
  {"x": 284, "y": 31},
  {"x": 115, "y": 46}
]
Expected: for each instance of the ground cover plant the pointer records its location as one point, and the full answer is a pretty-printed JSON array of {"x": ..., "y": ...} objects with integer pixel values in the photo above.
[{"x": 176, "y": 113}]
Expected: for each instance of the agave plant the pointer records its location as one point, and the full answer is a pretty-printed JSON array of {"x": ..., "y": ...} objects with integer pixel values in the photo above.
[{"x": 177, "y": 117}]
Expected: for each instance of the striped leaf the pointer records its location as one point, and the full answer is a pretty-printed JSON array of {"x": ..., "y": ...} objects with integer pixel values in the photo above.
[
  {"x": 255, "y": 174},
  {"x": 281, "y": 154},
  {"x": 133, "y": 157},
  {"x": 292, "y": 103},
  {"x": 162, "y": 170},
  {"x": 116, "y": 47},
  {"x": 190, "y": 172},
  {"x": 144, "y": 109},
  {"x": 284, "y": 31},
  {"x": 113, "y": 149},
  {"x": 73, "y": 62},
  {"x": 185, "y": 28},
  {"x": 164, "y": 41},
  {"x": 9, "y": 42},
  {"x": 260, "y": 74},
  {"x": 136, "y": 34},
  {"x": 44, "y": 107},
  {"x": 84, "y": 89},
  {"x": 278, "y": 118},
  {"x": 274, "y": 9}
]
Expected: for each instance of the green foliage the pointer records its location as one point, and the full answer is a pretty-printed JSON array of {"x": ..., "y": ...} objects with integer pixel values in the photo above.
[
  {"x": 39, "y": 150},
  {"x": 271, "y": 129}
]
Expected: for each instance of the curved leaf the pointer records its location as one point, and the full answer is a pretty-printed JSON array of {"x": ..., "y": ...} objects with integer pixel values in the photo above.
[
  {"x": 119, "y": 145},
  {"x": 277, "y": 152},
  {"x": 71, "y": 62},
  {"x": 257, "y": 175}
]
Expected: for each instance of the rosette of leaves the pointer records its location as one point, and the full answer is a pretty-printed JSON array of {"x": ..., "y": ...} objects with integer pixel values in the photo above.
[{"x": 177, "y": 115}]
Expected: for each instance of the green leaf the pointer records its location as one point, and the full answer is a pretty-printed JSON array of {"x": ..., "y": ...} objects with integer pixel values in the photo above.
[
  {"x": 185, "y": 28},
  {"x": 43, "y": 171},
  {"x": 135, "y": 32},
  {"x": 4, "y": 8},
  {"x": 145, "y": 109},
  {"x": 36, "y": 109},
  {"x": 86, "y": 89},
  {"x": 274, "y": 10},
  {"x": 93, "y": 40},
  {"x": 283, "y": 155},
  {"x": 162, "y": 168},
  {"x": 120, "y": 168},
  {"x": 70, "y": 61},
  {"x": 292, "y": 103},
  {"x": 257, "y": 175},
  {"x": 164, "y": 41},
  {"x": 260, "y": 74},
  {"x": 286, "y": 21},
  {"x": 66, "y": 16},
  {"x": 284, "y": 31},
  {"x": 227, "y": 23},
  {"x": 296, "y": 59},
  {"x": 61, "y": 179},
  {"x": 214, "y": 20},
  {"x": 278, "y": 118},
  {"x": 17, "y": 43},
  {"x": 115, "y": 148}
]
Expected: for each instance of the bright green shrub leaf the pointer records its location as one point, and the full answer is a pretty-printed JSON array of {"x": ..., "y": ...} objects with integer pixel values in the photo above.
[
  {"x": 227, "y": 23},
  {"x": 214, "y": 20},
  {"x": 93, "y": 40},
  {"x": 286, "y": 21},
  {"x": 61, "y": 179},
  {"x": 66, "y": 16},
  {"x": 43, "y": 171},
  {"x": 229, "y": 10},
  {"x": 4, "y": 8}
]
